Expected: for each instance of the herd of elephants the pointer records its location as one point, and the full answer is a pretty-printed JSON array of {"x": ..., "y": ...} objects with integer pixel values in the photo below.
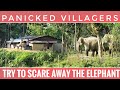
[{"x": 109, "y": 44}]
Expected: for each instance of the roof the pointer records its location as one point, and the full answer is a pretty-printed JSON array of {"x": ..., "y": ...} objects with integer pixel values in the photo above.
[
  {"x": 35, "y": 39},
  {"x": 45, "y": 38},
  {"x": 29, "y": 37},
  {"x": 15, "y": 40},
  {"x": 42, "y": 42}
]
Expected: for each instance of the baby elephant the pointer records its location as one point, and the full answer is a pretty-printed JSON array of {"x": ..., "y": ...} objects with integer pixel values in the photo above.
[{"x": 90, "y": 43}]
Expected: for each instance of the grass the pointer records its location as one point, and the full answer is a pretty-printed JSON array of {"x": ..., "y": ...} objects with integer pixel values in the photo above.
[
  {"x": 28, "y": 58},
  {"x": 75, "y": 60}
]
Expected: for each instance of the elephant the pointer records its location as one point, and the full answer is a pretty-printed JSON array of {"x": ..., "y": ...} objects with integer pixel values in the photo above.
[
  {"x": 90, "y": 43},
  {"x": 111, "y": 43},
  {"x": 108, "y": 43}
]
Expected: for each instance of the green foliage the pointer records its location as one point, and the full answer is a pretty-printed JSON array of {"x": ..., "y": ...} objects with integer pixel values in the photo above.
[
  {"x": 50, "y": 59},
  {"x": 34, "y": 29},
  {"x": 26, "y": 59},
  {"x": 57, "y": 30}
]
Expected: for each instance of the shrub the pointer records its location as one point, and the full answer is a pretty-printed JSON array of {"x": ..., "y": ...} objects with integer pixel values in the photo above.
[{"x": 51, "y": 59}]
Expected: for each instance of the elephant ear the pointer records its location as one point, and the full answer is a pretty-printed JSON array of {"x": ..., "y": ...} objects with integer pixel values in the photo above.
[{"x": 82, "y": 40}]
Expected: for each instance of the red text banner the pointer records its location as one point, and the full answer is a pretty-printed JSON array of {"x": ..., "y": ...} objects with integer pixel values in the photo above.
[
  {"x": 59, "y": 16},
  {"x": 59, "y": 73}
]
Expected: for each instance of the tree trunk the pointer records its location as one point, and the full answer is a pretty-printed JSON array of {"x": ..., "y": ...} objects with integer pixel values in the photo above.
[
  {"x": 23, "y": 30},
  {"x": 9, "y": 26},
  {"x": 99, "y": 47},
  {"x": 75, "y": 38},
  {"x": 62, "y": 41}
]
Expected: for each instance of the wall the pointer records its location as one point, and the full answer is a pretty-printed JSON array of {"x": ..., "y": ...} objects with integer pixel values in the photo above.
[{"x": 38, "y": 47}]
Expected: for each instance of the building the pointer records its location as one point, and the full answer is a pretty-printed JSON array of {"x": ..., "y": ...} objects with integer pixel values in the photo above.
[
  {"x": 19, "y": 43},
  {"x": 16, "y": 43},
  {"x": 35, "y": 43},
  {"x": 43, "y": 43}
]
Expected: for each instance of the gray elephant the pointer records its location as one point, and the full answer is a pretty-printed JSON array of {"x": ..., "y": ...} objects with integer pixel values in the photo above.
[
  {"x": 111, "y": 43},
  {"x": 90, "y": 44},
  {"x": 108, "y": 43}
]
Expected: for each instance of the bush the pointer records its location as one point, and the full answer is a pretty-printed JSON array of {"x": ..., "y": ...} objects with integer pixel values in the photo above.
[
  {"x": 51, "y": 59},
  {"x": 26, "y": 59}
]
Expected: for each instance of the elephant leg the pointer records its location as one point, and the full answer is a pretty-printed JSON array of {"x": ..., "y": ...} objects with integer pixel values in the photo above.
[
  {"x": 93, "y": 53},
  {"x": 110, "y": 51},
  {"x": 87, "y": 51},
  {"x": 96, "y": 53}
]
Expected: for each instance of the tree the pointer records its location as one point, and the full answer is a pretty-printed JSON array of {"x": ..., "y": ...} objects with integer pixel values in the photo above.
[
  {"x": 75, "y": 38},
  {"x": 96, "y": 31}
]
